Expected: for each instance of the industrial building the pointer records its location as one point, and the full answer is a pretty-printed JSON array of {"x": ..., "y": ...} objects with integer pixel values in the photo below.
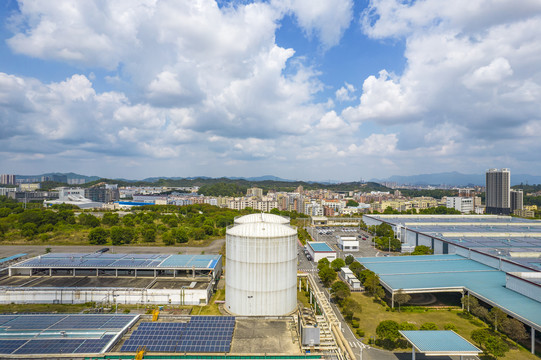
[
  {"x": 319, "y": 250},
  {"x": 497, "y": 259},
  {"x": 261, "y": 268},
  {"x": 348, "y": 243},
  {"x": 112, "y": 278}
]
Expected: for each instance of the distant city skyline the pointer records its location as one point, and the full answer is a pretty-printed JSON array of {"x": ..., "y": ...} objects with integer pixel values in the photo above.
[{"x": 327, "y": 90}]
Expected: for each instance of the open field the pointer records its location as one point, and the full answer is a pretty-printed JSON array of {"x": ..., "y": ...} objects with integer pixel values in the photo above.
[{"x": 373, "y": 313}]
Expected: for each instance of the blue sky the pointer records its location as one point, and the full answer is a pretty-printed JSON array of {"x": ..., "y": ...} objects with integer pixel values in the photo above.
[{"x": 334, "y": 89}]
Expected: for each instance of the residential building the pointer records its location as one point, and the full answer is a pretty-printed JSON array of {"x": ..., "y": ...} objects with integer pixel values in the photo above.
[
  {"x": 8, "y": 179},
  {"x": 517, "y": 200},
  {"x": 29, "y": 187},
  {"x": 103, "y": 193},
  {"x": 256, "y": 192},
  {"x": 6, "y": 191},
  {"x": 463, "y": 204},
  {"x": 498, "y": 192}
]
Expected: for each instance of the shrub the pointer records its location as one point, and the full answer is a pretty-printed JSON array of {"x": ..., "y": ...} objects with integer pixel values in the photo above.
[
  {"x": 360, "y": 333},
  {"x": 450, "y": 326},
  {"x": 429, "y": 326},
  {"x": 355, "y": 324}
]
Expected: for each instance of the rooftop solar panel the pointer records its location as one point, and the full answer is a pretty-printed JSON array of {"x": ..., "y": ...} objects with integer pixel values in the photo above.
[{"x": 60, "y": 334}]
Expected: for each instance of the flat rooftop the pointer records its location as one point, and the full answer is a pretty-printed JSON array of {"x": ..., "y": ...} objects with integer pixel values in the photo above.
[
  {"x": 320, "y": 246},
  {"x": 438, "y": 342},
  {"x": 121, "y": 261},
  {"x": 100, "y": 282},
  {"x": 490, "y": 234},
  {"x": 451, "y": 273},
  {"x": 61, "y": 333}
]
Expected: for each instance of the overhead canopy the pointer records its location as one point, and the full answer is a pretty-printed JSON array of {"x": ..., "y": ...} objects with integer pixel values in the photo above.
[{"x": 440, "y": 343}]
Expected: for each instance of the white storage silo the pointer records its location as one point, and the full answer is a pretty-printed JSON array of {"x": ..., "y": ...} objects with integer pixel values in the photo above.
[
  {"x": 261, "y": 217},
  {"x": 261, "y": 269}
]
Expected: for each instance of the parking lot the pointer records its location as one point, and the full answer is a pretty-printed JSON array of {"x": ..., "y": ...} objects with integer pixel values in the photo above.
[{"x": 331, "y": 234}]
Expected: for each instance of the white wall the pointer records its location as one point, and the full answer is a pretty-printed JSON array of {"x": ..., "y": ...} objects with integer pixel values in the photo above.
[{"x": 122, "y": 296}]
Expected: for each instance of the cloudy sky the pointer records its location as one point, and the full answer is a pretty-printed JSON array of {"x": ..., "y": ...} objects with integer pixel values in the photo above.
[{"x": 301, "y": 89}]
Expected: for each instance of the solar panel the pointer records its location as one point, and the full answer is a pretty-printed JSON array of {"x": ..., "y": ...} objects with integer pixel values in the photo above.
[
  {"x": 56, "y": 333},
  {"x": 9, "y": 346}
]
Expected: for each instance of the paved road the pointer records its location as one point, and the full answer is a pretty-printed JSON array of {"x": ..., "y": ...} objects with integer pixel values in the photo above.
[{"x": 33, "y": 250}]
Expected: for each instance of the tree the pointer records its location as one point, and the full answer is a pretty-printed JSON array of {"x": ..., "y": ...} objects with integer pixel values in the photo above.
[
  {"x": 29, "y": 230},
  {"x": 168, "y": 238},
  {"x": 98, "y": 236},
  {"x": 349, "y": 260},
  {"x": 429, "y": 326},
  {"x": 110, "y": 219},
  {"x": 480, "y": 336},
  {"x": 327, "y": 276},
  {"x": 388, "y": 329},
  {"x": 337, "y": 264},
  {"x": 89, "y": 220},
  {"x": 322, "y": 263},
  {"x": 180, "y": 235},
  {"x": 422, "y": 250},
  {"x": 350, "y": 307},
  {"x": 356, "y": 267},
  {"x": 340, "y": 291},
  {"x": 481, "y": 312},
  {"x": 407, "y": 326},
  {"x": 514, "y": 329},
  {"x": 401, "y": 298},
  {"x": 371, "y": 284},
  {"x": 149, "y": 233},
  {"x": 122, "y": 235},
  {"x": 384, "y": 230},
  {"x": 496, "y": 317},
  {"x": 352, "y": 203},
  {"x": 469, "y": 302},
  {"x": 496, "y": 346}
]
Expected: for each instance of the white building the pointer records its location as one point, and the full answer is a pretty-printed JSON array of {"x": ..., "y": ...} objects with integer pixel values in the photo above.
[
  {"x": 348, "y": 243},
  {"x": 320, "y": 250},
  {"x": 462, "y": 204}
]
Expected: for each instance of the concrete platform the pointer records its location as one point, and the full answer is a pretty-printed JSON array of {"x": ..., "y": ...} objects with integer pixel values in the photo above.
[{"x": 260, "y": 336}]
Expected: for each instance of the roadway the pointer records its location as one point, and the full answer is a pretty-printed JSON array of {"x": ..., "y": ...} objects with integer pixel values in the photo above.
[{"x": 366, "y": 249}]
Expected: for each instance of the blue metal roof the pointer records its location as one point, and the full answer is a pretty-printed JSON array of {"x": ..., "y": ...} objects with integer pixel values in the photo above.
[
  {"x": 437, "y": 342},
  {"x": 482, "y": 281},
  {"x": 409, "y": 258},
  {"x": 13, "y": 257},
  {"x": 320, "y": 247},
  {"x": 108, "y": 260}
]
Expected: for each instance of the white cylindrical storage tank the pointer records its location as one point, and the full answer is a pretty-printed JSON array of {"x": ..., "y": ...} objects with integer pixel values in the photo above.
[
  {"x": 261, "y": 269},
  {"x": 261, "y": 217}
]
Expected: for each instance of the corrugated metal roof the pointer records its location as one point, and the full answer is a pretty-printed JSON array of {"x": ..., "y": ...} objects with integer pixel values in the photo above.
[
  {"x": 425, "y": 275},
  {"x": 261, "y": 217},
  {"x": 439, "y": 342},
  {"x": 320, "y": 246},
  {"x": 261, "y": 229}
]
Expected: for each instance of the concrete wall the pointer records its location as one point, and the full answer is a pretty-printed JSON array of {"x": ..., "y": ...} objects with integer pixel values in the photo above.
[{"x": 122, "y": 296}]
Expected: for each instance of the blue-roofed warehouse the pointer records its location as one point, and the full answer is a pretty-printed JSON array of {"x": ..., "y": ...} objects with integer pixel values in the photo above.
[
  {"x": 320, "y": 250},
  {"x": 516, "y": 295},
  {"x": 108, "y": 278}
]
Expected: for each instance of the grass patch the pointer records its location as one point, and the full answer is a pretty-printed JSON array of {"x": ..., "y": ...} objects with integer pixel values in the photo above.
[
  {"x": 43, "y": 308},
  {"x": 211, "y": 308}
]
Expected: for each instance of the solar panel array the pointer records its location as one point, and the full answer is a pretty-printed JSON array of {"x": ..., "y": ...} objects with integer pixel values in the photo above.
[
  {"x": 59, "y": 334},
  {"x": 105, "y": 260},
  {"x": 62, "y": 346},
  {"x": 204, "y": 334}
]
